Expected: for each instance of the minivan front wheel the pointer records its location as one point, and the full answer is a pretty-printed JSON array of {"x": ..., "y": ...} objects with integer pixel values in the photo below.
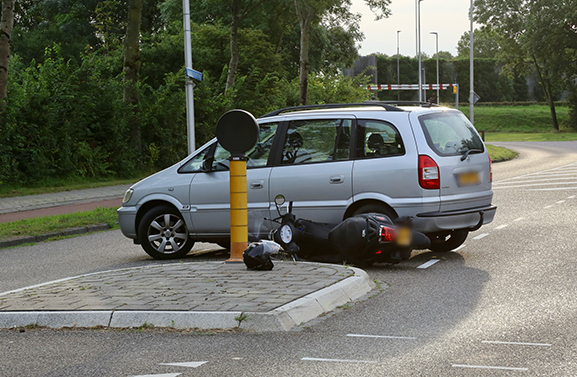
[
  {"x": 448, "y": 241},
  {"x": 163, "y": 233}
]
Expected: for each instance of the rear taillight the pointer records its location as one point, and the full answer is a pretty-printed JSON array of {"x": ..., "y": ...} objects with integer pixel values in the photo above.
[
  {"x": 490, "y": 170},
  {"x": 428, "y": 173},
  {"x": 388, "y": 234}
]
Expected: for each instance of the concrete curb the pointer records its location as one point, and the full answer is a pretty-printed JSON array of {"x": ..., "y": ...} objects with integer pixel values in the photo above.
[
  {"x": 282, "y": 318},
  {"x": 64, "y": 233}
]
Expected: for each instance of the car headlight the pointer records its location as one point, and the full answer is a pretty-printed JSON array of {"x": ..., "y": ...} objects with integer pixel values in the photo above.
[{"x": 127, "y": 195}]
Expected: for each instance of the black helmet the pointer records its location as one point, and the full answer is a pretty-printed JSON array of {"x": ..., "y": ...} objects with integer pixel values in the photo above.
[{"x": 257, "y": 255}]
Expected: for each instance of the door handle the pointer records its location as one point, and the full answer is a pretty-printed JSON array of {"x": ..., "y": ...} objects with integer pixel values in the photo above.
[
  {"x": 256, "y": 185},
  {"x": 337, "y": 179}
]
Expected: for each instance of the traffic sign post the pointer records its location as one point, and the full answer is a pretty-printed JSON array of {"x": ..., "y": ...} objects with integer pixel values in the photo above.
[{"x": 237, "y": 131}]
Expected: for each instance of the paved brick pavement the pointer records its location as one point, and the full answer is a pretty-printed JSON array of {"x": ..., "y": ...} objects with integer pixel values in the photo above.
[
  {"x": 34, "y": 202},
  {"x": 293, "y": 291}
]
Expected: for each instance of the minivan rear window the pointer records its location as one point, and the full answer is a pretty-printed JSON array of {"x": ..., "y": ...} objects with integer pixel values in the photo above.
[{"x": 450, "y": 134}]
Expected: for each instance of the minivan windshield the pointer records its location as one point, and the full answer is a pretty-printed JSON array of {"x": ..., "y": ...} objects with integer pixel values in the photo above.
[{"x": 451, "y": 134}]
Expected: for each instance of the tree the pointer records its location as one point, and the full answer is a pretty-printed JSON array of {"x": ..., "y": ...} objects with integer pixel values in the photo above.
[
  {"x": 485, "y": 43},
  {"x": 311, "y": 12},
  {"x": 537, "y": 33},
  {"x": 132, "y": 66},
  {"x": 6, "y": 25},
  {"x": 444, "y": 55}
]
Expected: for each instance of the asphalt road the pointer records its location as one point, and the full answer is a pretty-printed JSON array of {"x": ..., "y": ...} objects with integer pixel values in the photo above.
[{"x": 505, "y": 304}]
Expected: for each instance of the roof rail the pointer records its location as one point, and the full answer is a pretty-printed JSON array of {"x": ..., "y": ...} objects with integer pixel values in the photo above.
[
  {"x": 384, "y": 104},
  {"x": 410, "y": 103}
]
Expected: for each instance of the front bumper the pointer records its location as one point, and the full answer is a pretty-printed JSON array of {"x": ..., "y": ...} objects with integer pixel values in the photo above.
[
  {"x": 470, "y": 218},
  {"x": 127, "y": 221}
]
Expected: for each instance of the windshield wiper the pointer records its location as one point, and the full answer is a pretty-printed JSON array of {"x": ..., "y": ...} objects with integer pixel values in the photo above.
[{"x": 466, "y": 154}]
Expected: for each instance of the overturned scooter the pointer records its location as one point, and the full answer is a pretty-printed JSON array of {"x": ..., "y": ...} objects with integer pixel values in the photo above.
[{"x": 363, "y": 239}]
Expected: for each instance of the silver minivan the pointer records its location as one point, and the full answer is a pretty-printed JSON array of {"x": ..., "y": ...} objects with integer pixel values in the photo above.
[{"x": 332, "y": 162}]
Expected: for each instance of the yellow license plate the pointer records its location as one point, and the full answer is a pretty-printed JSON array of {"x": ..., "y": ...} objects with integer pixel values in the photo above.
[
  {"x": 469, "y": 179},
  {"x": 404, "y": 236}
]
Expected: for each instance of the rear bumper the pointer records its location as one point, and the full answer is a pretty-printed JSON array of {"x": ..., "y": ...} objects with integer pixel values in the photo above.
[{"x": 470, "y": 218}]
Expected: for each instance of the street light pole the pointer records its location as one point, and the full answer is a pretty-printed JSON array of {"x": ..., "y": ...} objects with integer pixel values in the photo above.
[
  {"x": 419, "y": 48},
  {"x": 189, "y": 85},
  {"x": 398, "y": 68},
  {"x": 471, "y": 74},
  {"x": 437, "y": 48}
]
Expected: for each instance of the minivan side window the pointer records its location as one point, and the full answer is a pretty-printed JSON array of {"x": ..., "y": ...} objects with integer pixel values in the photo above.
[
  {"x": 218, "y": 160},
  {"x": 376, "y": 138},
  {"x": 450, "y": 134},
  {"x": 318, "y": 140}
]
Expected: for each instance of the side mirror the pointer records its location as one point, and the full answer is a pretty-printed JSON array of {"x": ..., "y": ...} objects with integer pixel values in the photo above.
[{"x": 206, "y": 165}]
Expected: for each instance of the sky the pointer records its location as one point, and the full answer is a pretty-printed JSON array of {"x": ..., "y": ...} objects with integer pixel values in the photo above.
[{"x": 449, "y": 18}]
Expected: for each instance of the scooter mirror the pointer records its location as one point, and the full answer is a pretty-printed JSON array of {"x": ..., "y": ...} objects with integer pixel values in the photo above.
[{"x": 279, "y": 200}]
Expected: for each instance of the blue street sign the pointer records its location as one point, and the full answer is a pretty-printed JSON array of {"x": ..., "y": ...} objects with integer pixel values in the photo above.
[{"x": 194, "y": 74}]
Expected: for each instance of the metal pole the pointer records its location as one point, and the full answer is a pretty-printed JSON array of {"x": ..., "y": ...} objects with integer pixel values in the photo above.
[
  {"x": 437, "y": 48},
  {"x": 457, "y": 97},
  {"x": 419, "y": 49},
  {"x": 398, "y": 68},
  {"x": 189, "y": 85},
  {"x": 471, "y": 74}
]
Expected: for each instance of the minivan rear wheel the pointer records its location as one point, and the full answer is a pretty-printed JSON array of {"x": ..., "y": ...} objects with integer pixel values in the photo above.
[
  {"x": 442, "y": 243},
  {"x": 163, "y": 233},
  {"x": 376, "y": 208}
]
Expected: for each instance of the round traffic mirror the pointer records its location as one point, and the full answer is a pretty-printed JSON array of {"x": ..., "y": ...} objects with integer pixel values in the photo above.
[{"x": 237, "y": 131}]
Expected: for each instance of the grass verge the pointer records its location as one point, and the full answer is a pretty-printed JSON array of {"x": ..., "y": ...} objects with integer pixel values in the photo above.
[
  {"x": 42, "y": 225},
  {"x": 500, "y": 154},
  {"x": 534, "y": 136}
]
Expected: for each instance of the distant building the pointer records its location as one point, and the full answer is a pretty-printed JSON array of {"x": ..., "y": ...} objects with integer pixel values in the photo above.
[{"x": 366, "y": 65}]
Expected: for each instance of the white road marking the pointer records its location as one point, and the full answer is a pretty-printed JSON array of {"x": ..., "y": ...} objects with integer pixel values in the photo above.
[
  {"x": 338, "y": 360},
  {"x": 560, "y": 201},
  {"x": 571, "y": 197},
  {"x": 518, "y": 219},
  {"x": 487, "y": 367},
  {"x": 428, "y": 264},
  {"x": 517, "y": 343},
  {"x": 547, "y": 207},
  {"x": 459, "y": 248},
  {"x": 556, "y": 178},
  {"x": 382, "y": 336},
  {"x": 553, "y": 189},
  {"x": 556, "y": 183},
  {"x": 191, "y": 364},
  {"x": 502, "y": 226},
  {"x": 481, "y": 236},
  {"x": 159, "y": 375}
]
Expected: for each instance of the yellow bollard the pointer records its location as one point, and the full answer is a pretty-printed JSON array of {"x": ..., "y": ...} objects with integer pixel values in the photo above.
[{"x": 238, "y": 209}]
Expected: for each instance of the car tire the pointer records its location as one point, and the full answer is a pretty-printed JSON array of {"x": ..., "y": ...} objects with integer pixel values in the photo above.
[
  {"x": 376, "y": 208},
  {"x": 163, "y": 233},
  {"x": 448, "y": 242}
]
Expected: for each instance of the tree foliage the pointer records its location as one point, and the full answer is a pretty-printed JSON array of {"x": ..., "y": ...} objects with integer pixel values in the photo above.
[
  {"x": 536, "y": 33},
  {"x": 486, "y": 44},
  {"x": 66, "y": 115}
]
